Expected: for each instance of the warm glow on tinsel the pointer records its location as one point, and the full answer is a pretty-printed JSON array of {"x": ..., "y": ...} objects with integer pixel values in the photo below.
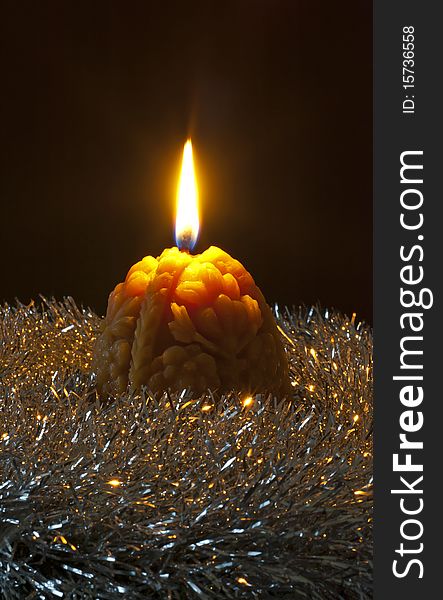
[{"x": 179, "y": 495}]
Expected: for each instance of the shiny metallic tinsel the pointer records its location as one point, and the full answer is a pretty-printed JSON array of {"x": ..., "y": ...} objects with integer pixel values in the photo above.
[{"x": 180, "y": 497}]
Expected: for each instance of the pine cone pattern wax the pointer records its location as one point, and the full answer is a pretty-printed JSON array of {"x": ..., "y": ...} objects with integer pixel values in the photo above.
[{"x": 190, "y": 321}]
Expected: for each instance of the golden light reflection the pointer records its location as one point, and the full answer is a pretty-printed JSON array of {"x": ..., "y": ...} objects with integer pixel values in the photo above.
[
  {"x": 361, "y": 493},
  {"x": 114, "y": 482},
  {"x": 248, "y": 401},
  {"x": 187, "y": 220}
]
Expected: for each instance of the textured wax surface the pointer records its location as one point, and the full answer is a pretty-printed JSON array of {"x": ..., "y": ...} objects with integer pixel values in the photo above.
[
  {"x": 195, "y": 321},
  {"x": 180, "y": 496}
]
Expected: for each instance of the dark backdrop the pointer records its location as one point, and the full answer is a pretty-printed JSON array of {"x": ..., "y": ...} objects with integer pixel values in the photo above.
[{"x": 98, "y": 98}]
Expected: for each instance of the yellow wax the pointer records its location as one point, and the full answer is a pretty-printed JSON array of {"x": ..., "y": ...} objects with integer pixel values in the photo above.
[{"x": 190, "y": 321}]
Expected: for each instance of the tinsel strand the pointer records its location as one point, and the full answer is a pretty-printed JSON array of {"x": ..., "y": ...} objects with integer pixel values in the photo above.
[{"x": 183, "y": 497}]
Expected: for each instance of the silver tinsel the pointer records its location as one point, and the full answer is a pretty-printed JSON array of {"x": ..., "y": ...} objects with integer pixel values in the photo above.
[{"x": 180, "y": 497}]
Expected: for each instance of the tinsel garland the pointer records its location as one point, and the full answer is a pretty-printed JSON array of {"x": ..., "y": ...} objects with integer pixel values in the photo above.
[{"x": 178, "y": 497}]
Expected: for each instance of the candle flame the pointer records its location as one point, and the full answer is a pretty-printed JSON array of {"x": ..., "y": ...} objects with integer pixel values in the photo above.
[{"x": 187, "y": 221}]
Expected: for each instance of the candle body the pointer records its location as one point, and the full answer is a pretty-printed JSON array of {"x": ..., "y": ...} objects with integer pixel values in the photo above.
[{"x": 190, "y": 321}]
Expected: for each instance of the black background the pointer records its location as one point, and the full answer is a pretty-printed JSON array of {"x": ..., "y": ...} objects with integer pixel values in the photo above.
[{"x": 98, "y": 99}]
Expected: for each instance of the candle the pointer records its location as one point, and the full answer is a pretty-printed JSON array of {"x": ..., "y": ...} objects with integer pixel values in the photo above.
[{"x": 189, "y": 321}]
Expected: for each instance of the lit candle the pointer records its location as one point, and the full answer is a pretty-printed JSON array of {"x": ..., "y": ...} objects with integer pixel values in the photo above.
[{"x": 189, "y": 321}]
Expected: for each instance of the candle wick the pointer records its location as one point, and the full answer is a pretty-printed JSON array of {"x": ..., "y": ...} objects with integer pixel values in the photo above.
[{"x": 185, "y": 242}]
